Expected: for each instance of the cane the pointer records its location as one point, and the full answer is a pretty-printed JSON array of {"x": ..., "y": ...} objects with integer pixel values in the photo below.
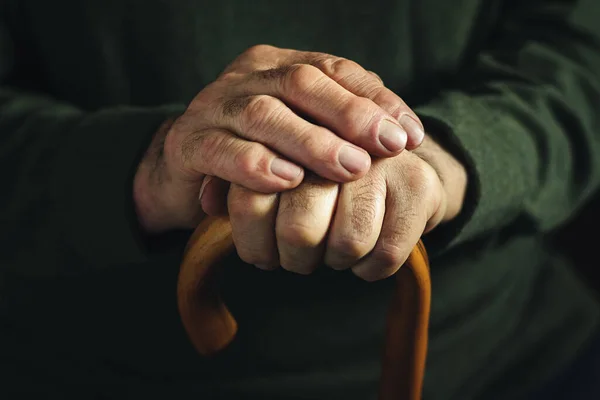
[{"x": 211, "y": 327}]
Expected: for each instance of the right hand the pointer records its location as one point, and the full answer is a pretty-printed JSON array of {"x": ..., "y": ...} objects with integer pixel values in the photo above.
[{"x": 246, "y": 128}]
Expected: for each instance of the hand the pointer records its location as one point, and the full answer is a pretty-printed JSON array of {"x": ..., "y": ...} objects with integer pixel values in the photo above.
[
  {"x": 270, "y": 113},
  {"x": 369, "y": 225}
]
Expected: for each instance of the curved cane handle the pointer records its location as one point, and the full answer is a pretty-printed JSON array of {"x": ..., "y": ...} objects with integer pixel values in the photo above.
[
  {"x": 211, "y": 327},
  {"x": 209, "y": 324}
]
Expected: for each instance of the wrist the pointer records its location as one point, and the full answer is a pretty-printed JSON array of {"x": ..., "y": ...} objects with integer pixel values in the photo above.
[
  {"x": 451, "y": 172},
  {"x": 145, "y": 202},
  {"x": 148, "y": 185}
]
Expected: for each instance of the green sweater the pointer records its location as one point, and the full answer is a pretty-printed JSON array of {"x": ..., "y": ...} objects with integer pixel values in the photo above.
[{"x": 87, "y": 303}]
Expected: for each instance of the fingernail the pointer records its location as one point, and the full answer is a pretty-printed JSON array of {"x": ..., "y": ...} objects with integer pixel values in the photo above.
[
  {"x": 391, "y": 136},
  {"x": 413, "y": 128},
  {"x": 205, "y": 182},
  {"x": 285, "y": 169},
  {"x": 353, "y": 160}
]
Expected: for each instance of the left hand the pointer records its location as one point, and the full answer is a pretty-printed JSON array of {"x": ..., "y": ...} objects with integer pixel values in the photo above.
[{"x": 369, "y": 225}]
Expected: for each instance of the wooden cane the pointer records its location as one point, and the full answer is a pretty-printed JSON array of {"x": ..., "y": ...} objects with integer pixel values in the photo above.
[{"x": 211, "y": 327}]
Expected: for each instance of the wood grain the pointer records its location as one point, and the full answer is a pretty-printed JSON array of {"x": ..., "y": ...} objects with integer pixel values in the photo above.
[{"x": 211, "y": 327}]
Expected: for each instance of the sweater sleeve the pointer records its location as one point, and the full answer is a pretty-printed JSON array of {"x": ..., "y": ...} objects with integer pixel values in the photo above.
[
  {"x": 524, "y": 118},
  {"x": 67, "y": 178}
]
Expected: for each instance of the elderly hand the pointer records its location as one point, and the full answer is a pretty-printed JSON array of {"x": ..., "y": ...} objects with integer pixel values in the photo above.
[
  {"x": 272, "y": 112},
  {"x": 369, "y": 225}
]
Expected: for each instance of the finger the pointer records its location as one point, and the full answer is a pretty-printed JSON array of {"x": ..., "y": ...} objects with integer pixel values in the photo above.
[
  {"x": 267, "y": 120},
  {"x": 348, "y": 74},
  {"x": 252, "y": 216},
  {"x": 213, "y": 196},
  {"x": 220, "y": 153},
  {"x": 303, "y": 220},
  {"x": 402, "y": 228},
  {"x": 415, "y": 201},
  {"x": 368, "y": 84},
  {"x": 376, "y": 76},
  {"x": 357, "y": 222},
  {"x": 310, "y": 92}
]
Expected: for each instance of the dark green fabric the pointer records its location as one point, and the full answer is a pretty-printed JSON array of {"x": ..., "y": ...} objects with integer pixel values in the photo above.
[{"x": 87, "y": 304}]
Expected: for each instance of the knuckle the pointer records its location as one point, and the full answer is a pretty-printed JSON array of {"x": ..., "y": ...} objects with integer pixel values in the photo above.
[
  {"x": 349, "y": 73},
  {"x": 260, "y": 106},
  {"x": 228, "y": 76},
  {"x": 342, "y": 67},
  {"x": 337, "y": 68},
  {"x": 350, "y": 248},
  {"x": 390, "y": 258},
  {"x": 172, "y": 146},
  {"x": 357, "y": 113},
  {"x": 376, "y": 76},
  {"x": 325, "y": 63},
  {"x": 357, "y": 105},
  {"x": 395, "y": 108},
  {"x": 257, "y": 50},
  {"x": 386, "y": 263},
  {"x": 250, "y": 161},
  {"x": 259, "y": 111},
  {"x": 389, "y": 100},
  {"x": 325, "y": 151},
  {"x": 320, "y": 145},
  {"x": 367, "y": 197},
  {"x": 390, "y": 252},
  {"x": 297, "y": 235},
  {"x": 421, "y": 179},
  {"x": 301, "y": 78}
]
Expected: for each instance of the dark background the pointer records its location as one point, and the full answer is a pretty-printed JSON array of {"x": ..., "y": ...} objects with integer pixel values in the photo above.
[{"x": 580, "y": 238}]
